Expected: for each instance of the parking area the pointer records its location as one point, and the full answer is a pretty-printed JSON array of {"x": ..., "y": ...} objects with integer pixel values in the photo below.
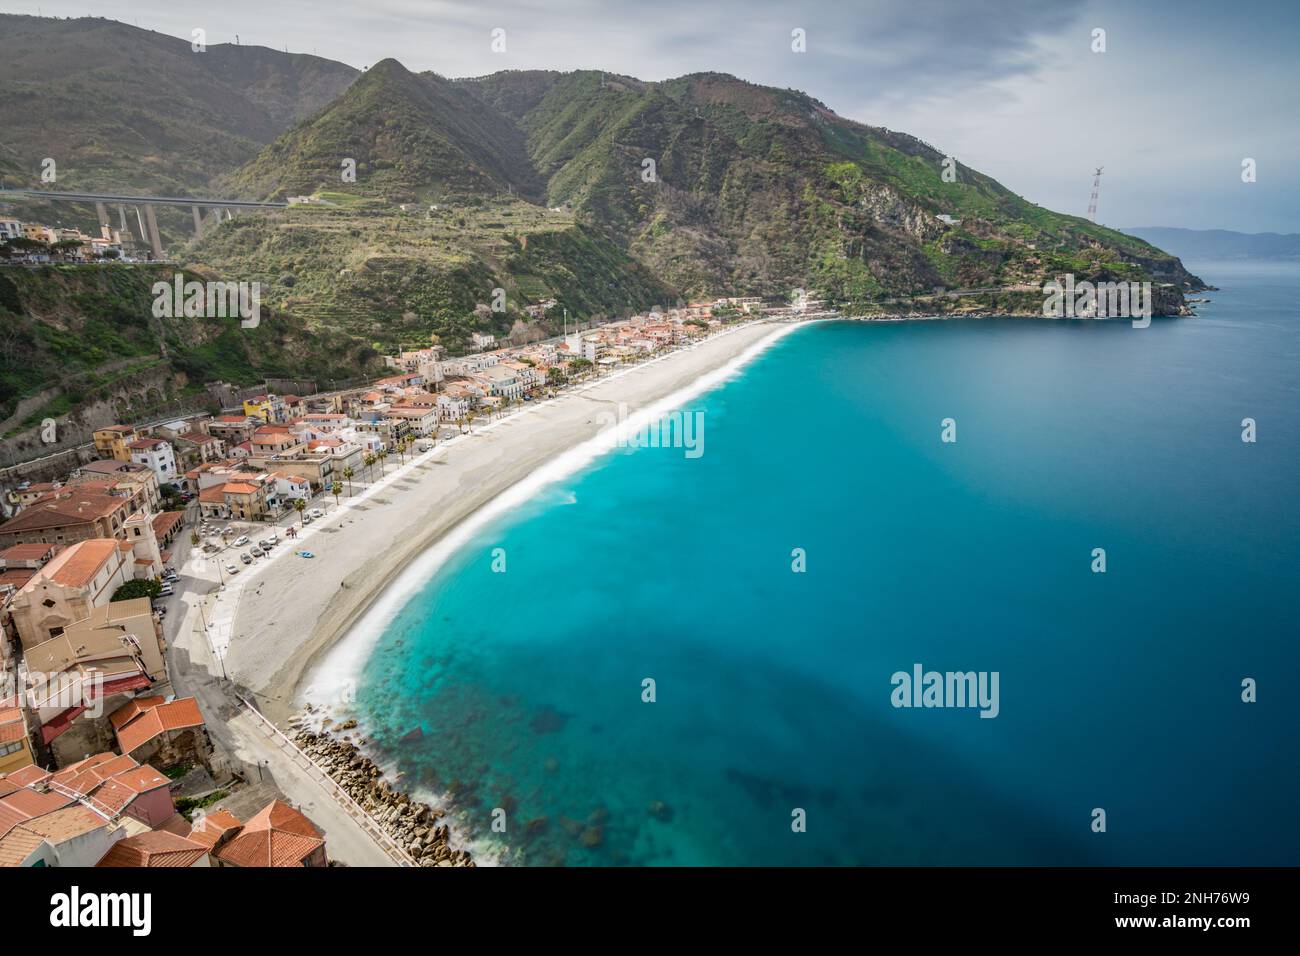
[{"x": 233, "y": 545}]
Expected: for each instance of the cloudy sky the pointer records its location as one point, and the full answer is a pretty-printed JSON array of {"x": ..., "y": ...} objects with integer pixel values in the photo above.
[{"x": 1184, "y": 92}]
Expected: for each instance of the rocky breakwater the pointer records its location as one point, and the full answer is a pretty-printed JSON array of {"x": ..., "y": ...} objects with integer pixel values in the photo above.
[{"x": 413, "y": 825}]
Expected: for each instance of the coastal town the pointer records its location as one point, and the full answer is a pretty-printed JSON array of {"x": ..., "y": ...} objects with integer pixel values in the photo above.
[{"x": 119, "y": 748}]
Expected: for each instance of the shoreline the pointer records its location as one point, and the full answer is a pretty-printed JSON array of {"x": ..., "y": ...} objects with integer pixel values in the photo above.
[{"x": 368, "y": 555}]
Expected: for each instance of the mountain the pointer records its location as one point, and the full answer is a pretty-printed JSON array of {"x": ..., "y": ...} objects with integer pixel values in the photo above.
[
  {"x": 475, "y": 198},
  {"x": 758, "y": 190},
  {"x": 1221, "y": 243},
  {"x": 117, "y": 107},
  {"x": 410, "y": 137}
]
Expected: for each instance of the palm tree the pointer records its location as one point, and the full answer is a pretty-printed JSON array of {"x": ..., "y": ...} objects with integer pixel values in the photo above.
[
  {"x": 369, "y": 461},
  {"x": 383, "y": 453},
  {"x": 461, "y": 423},
  {"x": 347, "y": 474},
  {"x": 300, "y": 506},
  {"x": 337, "y": 488}
]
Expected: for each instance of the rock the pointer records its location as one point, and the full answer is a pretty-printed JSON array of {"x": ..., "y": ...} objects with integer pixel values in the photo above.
[
  {"x": 661, "y": 811},
  {"x": 593, "y": 837}
]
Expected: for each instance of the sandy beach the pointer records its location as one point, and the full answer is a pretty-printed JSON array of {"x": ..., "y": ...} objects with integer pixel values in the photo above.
[{"x": 289, "y": 611}]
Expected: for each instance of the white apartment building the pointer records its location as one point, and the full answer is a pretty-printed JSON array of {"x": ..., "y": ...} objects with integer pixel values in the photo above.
[{"x": 158, "y": 456}]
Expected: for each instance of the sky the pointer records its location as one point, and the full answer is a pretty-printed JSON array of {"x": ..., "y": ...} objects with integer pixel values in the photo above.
[{"x": 1184, "y": 92}]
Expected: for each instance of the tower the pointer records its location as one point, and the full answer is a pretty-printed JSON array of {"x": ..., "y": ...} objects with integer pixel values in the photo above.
[{"x": 1096, "y": 188}]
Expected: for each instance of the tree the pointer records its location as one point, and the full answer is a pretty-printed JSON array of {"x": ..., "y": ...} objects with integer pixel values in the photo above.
[
  {"x": 347, "y": 474},
  {"x": 369, "y": 460},
  {"x": 136, "y": 589},
  {"x": 383, "y": 453},
  {"x": 195, "y": 539},
  {"x": 300, "y": 506},
  {"x": 337, "y": 488}
]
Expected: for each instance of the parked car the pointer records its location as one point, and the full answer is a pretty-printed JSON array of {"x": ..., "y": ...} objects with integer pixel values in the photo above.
[
  {"x": 165, "y": 590},
  {"x": 231, "y": 568},
  {"x": 274, "y": 539},
  {"x": 306, "y": 518},
  {"x": 240, "y": 541},
  {"x": 257, "y": 552},
  {"x": 316, "y": 513},
  {"x": 246, "y": 558}
]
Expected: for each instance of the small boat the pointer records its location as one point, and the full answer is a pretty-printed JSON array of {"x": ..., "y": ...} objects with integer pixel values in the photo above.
[{"x": 305, "y": 554}]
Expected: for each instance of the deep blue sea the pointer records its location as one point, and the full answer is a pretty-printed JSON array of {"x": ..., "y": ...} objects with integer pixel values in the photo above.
[{"x": 1119, "y": 690}]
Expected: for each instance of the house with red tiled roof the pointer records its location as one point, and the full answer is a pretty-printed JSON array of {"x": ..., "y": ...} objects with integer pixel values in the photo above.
[
  {"x": 122, "y": 478},
  {"x": 278, "y": 835},
  {"x": 245, "y": 500},
  {"x": 67, "y": 516},
  {"x": 73, "y": 835},
  {"x": 193, "y": 447},
  {"x": 118, "y": 786},
  {"x": 213, "y": 829},
  {"x": 157, "y": 848},
  {"x": 163, "y": 733}
]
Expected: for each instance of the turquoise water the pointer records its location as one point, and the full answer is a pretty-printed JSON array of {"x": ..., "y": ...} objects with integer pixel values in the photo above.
[{"x": 1119, "y": 691}]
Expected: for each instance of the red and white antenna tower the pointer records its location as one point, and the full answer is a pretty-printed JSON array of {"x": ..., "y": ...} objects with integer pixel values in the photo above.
[{"x": 1096, "y": 188}]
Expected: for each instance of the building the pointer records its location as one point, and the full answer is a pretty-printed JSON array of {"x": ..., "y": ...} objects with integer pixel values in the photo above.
[
  {"x": 124, "y": 478},
  {"x": 196, "y": 447},
  {"x": 157, "y": 455},
  {"x": 232, "y": 429},
  {"x": 117, "y": 786},
  {"x": 16, "y": 749},
  {"x": 67, "y": 589},
  {"x": 269, "y": 408},
  {"x": 156, "y": 848},
  {"x": 483, "y": 340},
  {"x": 163, "y": 733},
  {"x": 501, "y": 381},
  {"x": 245, "y": 500},
  {"x": 289, "y": 487},
  {"x": 72, "y": 835},
  {"x": 19, "y": 564},
  {"x": 112, "y": 441},
  {"x": 119, "y": 628},
  {"x": 278, "y": 835},
  {"x": 67, "y": 516}
]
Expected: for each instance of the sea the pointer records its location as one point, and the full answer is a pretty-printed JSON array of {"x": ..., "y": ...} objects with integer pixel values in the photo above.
[{"x": 700, "y": 656}]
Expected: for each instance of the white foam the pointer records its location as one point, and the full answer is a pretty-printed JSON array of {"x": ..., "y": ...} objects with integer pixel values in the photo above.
[{"x": 341, "y": 663}]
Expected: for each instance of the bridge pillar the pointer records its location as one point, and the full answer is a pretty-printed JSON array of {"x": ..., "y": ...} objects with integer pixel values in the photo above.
[
  {"x": 102, "y": 212},
  {"x": 155, "y": 240},
  {"x": 121, "y": 220},
  {"x": 198, "y": 220}
]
